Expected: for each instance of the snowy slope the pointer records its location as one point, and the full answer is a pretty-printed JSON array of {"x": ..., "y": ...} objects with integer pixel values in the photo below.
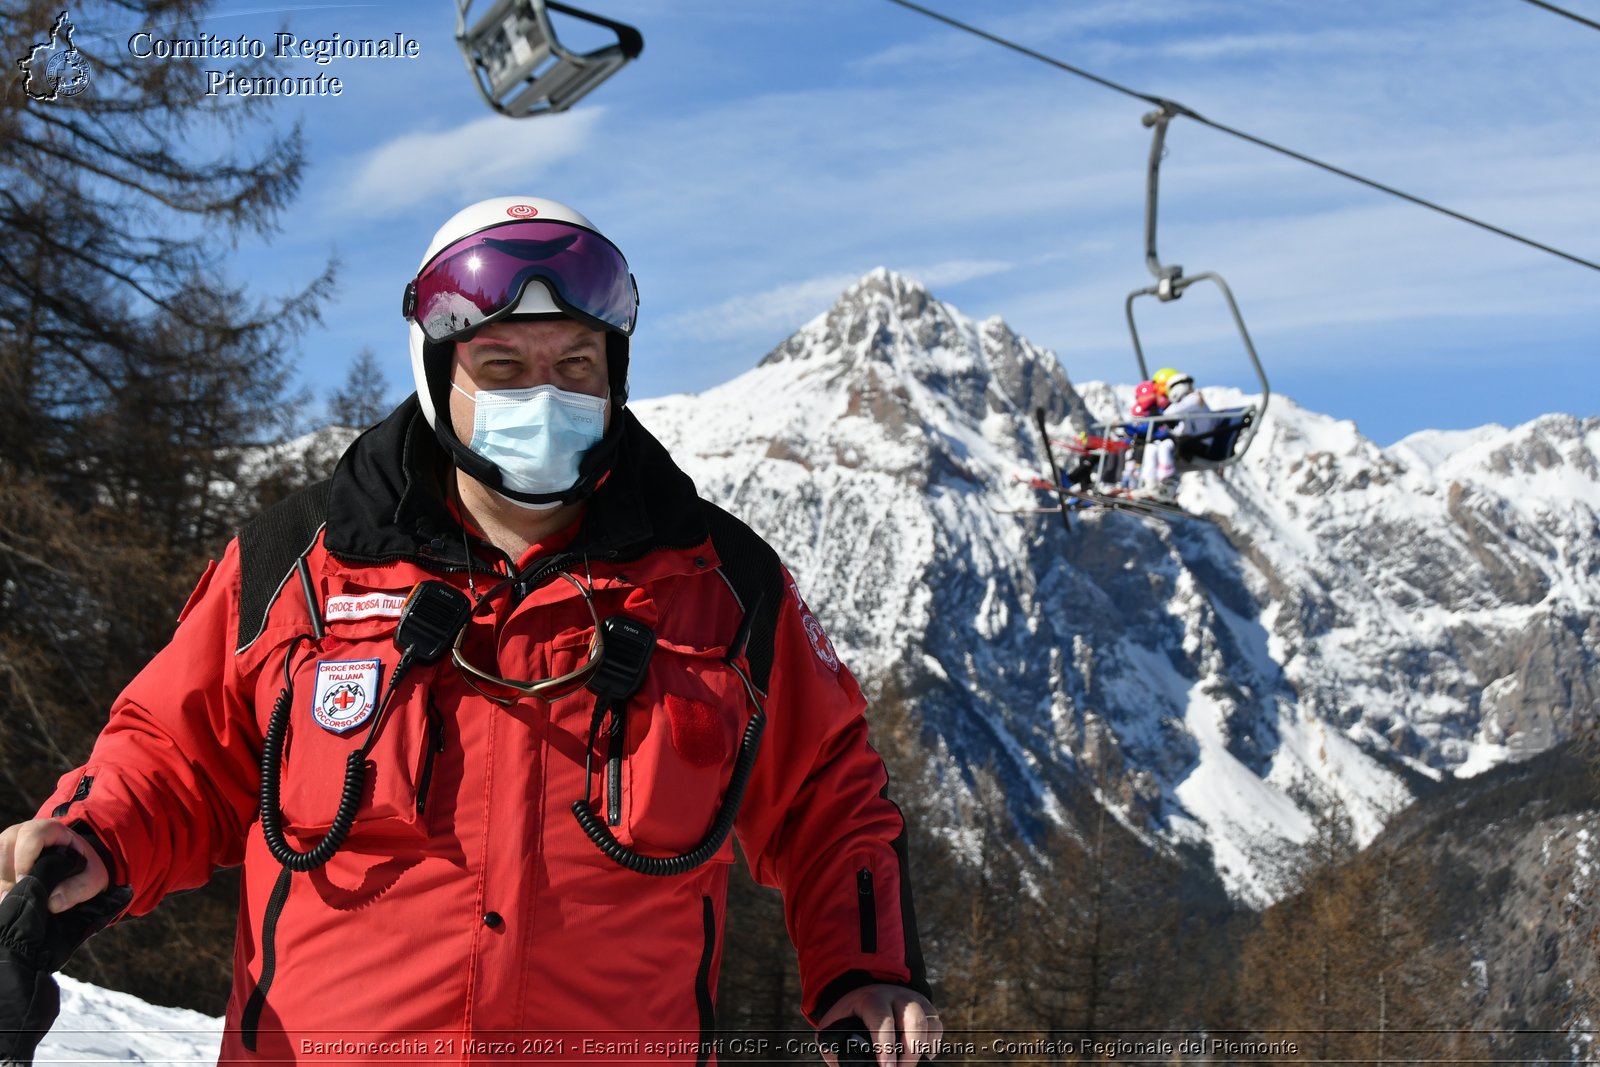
[
  {"x": 1347, "y": 617},
  {"x": 102, "y": 1026}
]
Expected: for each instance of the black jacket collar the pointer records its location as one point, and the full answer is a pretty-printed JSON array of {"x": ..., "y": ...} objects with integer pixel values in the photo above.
[{"x": 387, "y": 501}]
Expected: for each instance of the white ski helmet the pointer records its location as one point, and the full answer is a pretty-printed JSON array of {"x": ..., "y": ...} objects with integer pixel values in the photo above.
[
  {"x": 511, "y": 256},
  {"x": 1179, "y": 386},
  {"x": 587, "y": 280}
]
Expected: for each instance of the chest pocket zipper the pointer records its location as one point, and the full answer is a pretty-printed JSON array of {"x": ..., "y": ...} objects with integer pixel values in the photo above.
[
  {"x": 614, "y": 772},
  {"x": 435, "y": 746}
]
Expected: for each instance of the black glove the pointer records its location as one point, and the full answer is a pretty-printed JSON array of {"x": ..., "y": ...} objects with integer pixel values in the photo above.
[{"x": 34, "y": 944}]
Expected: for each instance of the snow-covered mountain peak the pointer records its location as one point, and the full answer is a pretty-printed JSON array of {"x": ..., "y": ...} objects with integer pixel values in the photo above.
[
  {"x": 882, "y": 298},
  {"x": 907, "y": 357},
  {"x": 1430, "y": 448},
  {"x": 1547, "y": 465},
  {"x": 1530, "y": 451}
]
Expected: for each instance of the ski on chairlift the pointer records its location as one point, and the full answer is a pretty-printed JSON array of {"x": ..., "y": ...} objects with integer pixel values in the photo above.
[
  {"x": 520, "y": 66},
  {"x": 1072, "y": 499}
]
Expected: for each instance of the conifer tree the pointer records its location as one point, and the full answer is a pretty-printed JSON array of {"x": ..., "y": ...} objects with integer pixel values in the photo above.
[
  {"x": 1349, "y": 963},
  {"x": 363, "y": 400}
]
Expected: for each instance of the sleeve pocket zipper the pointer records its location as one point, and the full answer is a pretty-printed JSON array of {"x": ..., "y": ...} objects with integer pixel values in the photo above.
[{"x": 867, "y": 904}]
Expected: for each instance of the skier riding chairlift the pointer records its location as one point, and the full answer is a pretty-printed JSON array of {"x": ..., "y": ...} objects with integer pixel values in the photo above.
[
  {"x": 1225, "y": 440},
  {"x": 520, "y": 67}
]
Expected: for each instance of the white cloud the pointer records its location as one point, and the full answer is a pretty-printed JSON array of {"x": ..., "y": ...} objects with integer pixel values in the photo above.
[
  {"x": 956, "y": 271},
  {"x": 466, "y": 162},
  {"x": 779, "y": 308},
  {"x": 1049, "y": 27},
  {"x": 783, "y": 308},
  {"x": 1231, "y": 46}
]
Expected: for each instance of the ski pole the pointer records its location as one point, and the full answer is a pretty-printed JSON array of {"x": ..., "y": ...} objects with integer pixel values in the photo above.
[{"x": 1055, "y": 471}]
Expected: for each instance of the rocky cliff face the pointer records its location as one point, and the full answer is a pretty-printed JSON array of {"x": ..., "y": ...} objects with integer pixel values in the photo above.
[
  {"x": 1445, "y": 604},
  {"x": 1336, "y": 621}
]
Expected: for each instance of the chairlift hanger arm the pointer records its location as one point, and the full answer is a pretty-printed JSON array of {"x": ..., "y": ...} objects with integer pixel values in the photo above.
[
  {"x": 1170, "y": 281},
  {"x": 1233, "y": 308},
  {"x": 1165, "y": 276}
]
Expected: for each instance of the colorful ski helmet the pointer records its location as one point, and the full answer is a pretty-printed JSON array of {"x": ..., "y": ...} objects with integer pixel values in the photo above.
[
  {"x": 1147, "y": 391},
  {"x": 513, "y": 256},
  {"x": 1144, "y": 409}
]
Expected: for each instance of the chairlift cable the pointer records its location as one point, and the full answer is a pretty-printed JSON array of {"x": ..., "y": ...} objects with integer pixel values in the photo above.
[
  {"x": 1392, "y": 191},
  {"x": 1179, "y": 109},
  {"x": 1030, "y": 53},
  {"x": 1564, "y": 13}
]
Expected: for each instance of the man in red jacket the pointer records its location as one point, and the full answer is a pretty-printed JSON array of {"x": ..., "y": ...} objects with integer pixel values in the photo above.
[{"x": 478, "y": 714}]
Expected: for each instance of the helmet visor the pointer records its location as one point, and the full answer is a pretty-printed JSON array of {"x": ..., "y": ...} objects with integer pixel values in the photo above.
[{"x": 481, "y": 277}]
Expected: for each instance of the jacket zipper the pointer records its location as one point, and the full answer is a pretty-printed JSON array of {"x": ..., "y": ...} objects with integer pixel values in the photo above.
[
  {"x": 561, "y": 561},
  {"x": 435, "y": 746},
  {"x": 867, "y": 906}
]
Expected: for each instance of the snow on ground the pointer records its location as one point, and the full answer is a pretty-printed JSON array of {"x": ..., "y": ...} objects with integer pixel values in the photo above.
[
  {"x": 1239, "y": 810},
  {"x": 1482, "y": 756},
  {"x": 103, "y": 1026}
]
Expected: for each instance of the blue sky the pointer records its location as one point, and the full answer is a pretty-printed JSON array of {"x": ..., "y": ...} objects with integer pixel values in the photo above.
[{"x": 763, "y": 154}]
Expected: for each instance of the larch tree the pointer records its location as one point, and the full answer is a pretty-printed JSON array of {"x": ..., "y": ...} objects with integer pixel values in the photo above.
[{"x": 137, "y": 378}]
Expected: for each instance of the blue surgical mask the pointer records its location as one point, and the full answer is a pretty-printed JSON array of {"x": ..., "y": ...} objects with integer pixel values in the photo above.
[{"x": 535, "y": 436}]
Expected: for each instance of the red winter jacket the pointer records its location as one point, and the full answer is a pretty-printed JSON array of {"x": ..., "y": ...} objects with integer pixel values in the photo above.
[{"x": 467, "y": 917}]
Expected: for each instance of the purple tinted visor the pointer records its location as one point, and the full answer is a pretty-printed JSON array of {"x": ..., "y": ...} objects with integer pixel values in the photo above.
[{"x": 480, "y": 278}]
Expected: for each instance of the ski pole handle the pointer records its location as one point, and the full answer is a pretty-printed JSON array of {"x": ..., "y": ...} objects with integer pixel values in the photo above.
[
  {"x": 56, "y": 864},
  {"x": 849, "y": 1042}
]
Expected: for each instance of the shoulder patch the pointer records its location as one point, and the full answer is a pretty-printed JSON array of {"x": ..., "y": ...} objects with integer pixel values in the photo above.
[{"x": 814, "y": 631}]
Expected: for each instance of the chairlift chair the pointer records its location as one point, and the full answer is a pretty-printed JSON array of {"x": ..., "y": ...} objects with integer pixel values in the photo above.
[
  {"x": 522, "y": 69},
  {"x": 1240, "y": 424}
]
